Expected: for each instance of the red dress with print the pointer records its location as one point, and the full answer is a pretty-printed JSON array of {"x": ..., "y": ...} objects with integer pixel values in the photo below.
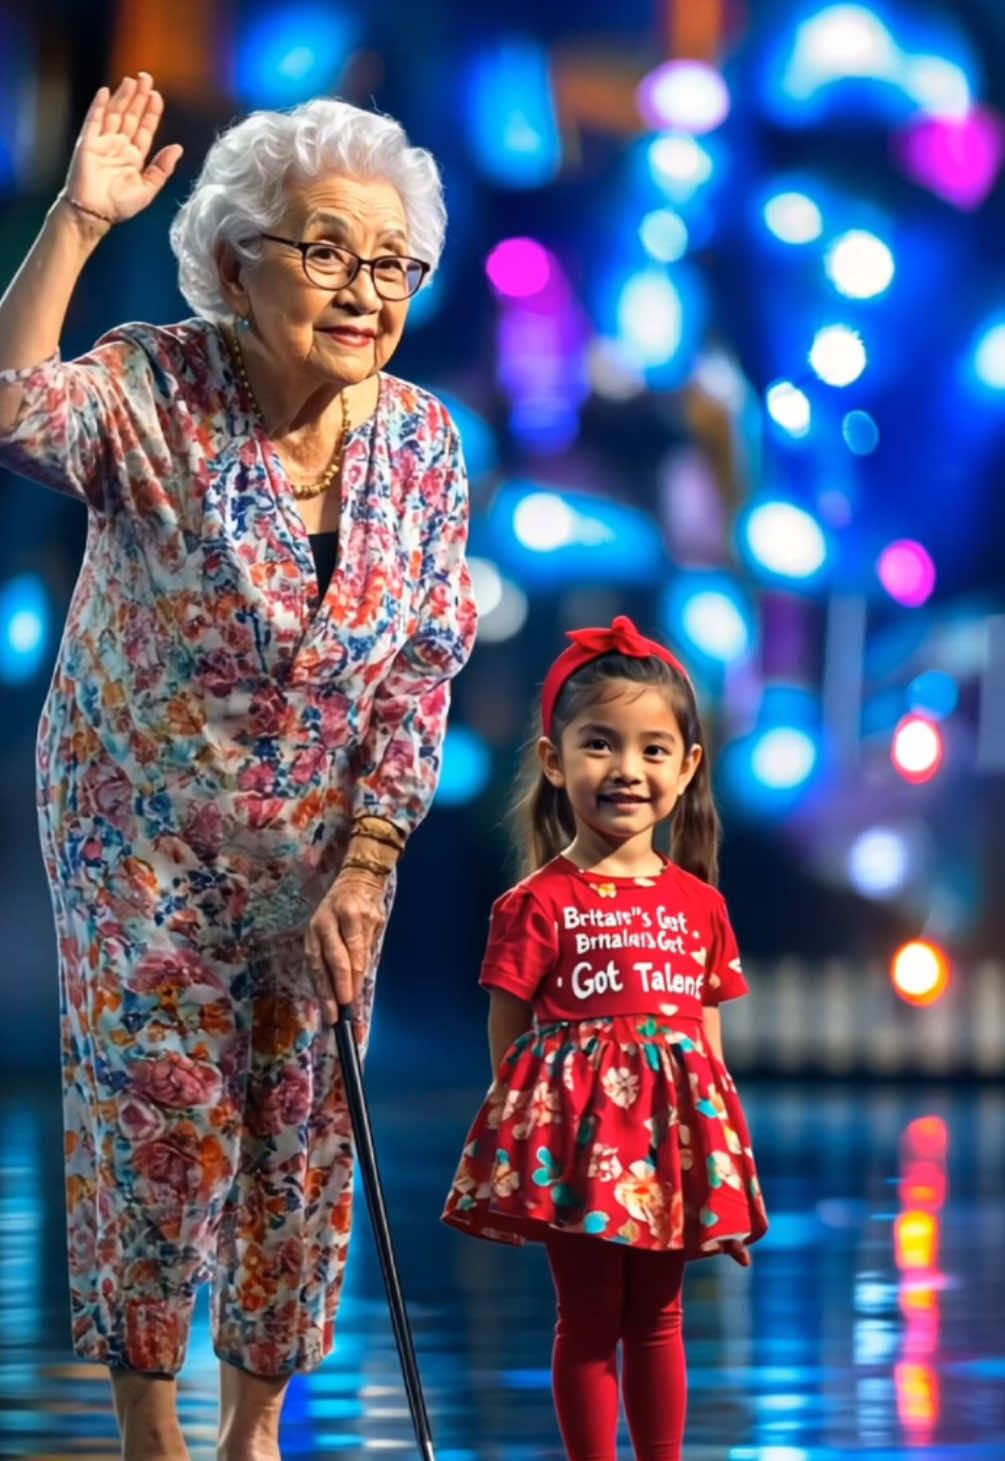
[{"x": 612, "y": 1116}]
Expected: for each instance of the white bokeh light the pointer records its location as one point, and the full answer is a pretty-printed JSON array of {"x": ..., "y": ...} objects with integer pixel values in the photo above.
[
  {"x": 789, "y": 408},
  {"x": 684, "y": 93},
  {"x": 651, "y": 316},
  {"x": 878, "y": 862},
  {"x": 917, "y": 747},
  {"x": 838, "y": 42},
  {"x": 989, "y": 357},
  {"x": 859, "y": 264},
  {"x": 793, "y": 217},
  {"x": 786, "y": 540},
  {"x": 542, "y": 521},
  {"x": 486, "y": 584},
  {"x": 664, "y": 235},
  {"x": 25, "y": 631},
  {"x": 714, "y": 623},
  {"x": 938, "y": 85},
  {"x": 837, "y": 355},
  {"x": 505, "y": 618},
  {"x": 679, "y": 164}
]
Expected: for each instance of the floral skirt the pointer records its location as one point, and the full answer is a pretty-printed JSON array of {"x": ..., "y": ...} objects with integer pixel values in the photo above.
[{"x": 626, "y": 1128}]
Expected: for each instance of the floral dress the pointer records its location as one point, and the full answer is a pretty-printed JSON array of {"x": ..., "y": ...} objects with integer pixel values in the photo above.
[
  {"x": 211, "y": 729},
  {"x": 612, "y": 1117}
]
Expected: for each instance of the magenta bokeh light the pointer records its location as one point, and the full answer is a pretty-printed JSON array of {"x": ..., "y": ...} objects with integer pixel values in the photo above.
[
  {"x": 957, "y": 158},
  {"x": 518, "y": 268},
  {"x": 907, "y": 572}
]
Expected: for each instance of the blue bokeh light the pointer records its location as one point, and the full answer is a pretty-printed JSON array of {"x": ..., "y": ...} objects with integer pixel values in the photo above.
[
  {"x": 512, "y": 126},
  {"x": 466, "y": 768},
  {"x": 544, "y": 538},
  {"x": 711, "y": 616},
  {"x": 289, "y": 53},
  {"x": 770, "y": 771},
  {"x": 934, "y": 692},
  {"x": 24, "y": 627}
]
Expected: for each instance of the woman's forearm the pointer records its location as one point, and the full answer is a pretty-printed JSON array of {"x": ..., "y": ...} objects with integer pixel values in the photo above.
[{"x": 34, "y": 306}]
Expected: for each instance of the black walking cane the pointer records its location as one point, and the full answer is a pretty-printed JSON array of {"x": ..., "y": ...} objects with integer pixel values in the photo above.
[{"x": 352, "y": 1076}]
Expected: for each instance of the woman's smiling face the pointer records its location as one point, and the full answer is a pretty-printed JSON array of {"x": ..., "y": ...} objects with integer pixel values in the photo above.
[{"x": 341, "y": 335}]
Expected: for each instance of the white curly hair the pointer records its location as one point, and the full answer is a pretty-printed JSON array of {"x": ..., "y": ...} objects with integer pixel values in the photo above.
[{"x": 240, "y": 191}]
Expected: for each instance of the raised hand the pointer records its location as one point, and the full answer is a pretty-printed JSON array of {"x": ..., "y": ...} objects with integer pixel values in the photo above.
[{"x": 109, "y": 175}]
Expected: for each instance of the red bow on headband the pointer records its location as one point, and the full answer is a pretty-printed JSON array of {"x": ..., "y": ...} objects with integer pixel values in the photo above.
[{"x": 589, "y": 644}]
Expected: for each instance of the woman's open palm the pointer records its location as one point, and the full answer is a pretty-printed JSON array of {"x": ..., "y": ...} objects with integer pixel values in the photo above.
[{"x": 109, "y": 173}]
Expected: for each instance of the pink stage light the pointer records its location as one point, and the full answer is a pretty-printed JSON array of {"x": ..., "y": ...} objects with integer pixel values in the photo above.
[
  {"x": 917, "y": 749},
  {"x": 956, "y": 158},
  {"x": 907, "y": 572},
  {"x": 518, "y": 268}
]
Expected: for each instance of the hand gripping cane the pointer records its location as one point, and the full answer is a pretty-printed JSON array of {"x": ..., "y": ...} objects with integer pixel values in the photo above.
[{"x": 352, "y": 1076}]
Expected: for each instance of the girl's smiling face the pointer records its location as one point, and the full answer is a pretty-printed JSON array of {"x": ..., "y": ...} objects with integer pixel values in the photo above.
[{"x": 622, "y": 762}]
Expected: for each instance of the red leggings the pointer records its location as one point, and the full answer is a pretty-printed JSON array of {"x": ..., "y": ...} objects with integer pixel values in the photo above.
[{"x": 609, "y": 1293}]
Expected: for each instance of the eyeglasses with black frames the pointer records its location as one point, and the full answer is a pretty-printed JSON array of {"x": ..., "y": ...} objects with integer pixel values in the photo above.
[{"x": 333, "y": 266}]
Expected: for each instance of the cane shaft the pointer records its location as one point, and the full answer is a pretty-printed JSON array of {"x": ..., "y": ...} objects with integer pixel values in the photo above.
[{"x": 366, "y": 1156}]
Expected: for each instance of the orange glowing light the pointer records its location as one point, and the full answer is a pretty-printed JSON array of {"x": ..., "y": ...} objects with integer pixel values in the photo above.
[
  {"x": 920, "y": 972},
  {"x": 917, "y": 1387},
  {"x": 918, "y": 1299},
  {"x": 915, "y": 1240}
]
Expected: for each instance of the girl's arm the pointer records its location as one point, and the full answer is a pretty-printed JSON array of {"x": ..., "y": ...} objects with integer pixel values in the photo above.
[
  {"x": 711, "y": 1021},
  {"x": 509, "y": 1018}
]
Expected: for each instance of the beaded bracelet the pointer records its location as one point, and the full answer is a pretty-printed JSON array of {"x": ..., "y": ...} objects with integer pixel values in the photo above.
[{"x": 368, "y": 864}]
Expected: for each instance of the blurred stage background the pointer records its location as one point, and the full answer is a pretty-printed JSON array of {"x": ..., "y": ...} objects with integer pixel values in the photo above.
[{"x": 722, "y": 322}]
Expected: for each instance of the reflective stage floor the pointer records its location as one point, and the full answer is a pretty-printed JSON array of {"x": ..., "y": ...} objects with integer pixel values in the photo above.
[{"x": 871, "y": 1325}]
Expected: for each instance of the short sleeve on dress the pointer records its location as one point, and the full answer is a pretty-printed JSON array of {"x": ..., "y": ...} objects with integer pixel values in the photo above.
[
  {"x": 522, "y": 946},
  {"x": 723, "y": 970}
]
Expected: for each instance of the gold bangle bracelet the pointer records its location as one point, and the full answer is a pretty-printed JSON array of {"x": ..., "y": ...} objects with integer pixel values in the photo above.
[
  {"x": 375, "y": 837},
  {"x": 383, "y": 830},
  {"x": 368, "y": 864}
]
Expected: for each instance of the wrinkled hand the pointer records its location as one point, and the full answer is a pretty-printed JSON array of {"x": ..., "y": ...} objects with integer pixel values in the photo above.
[
  {"x": 739, "y": 1252},
  {"x": 341, "y": 938},
  {"x": 109, "y": 173}
]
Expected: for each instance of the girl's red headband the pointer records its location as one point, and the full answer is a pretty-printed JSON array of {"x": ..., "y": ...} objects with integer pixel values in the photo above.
[{"x": 590, "y": 644}]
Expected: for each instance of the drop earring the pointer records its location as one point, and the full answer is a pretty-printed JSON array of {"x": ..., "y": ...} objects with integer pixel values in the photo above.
[{"x": 243, "y": 324}]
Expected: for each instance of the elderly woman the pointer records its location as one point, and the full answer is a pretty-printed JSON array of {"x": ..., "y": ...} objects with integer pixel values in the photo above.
[{"x": 244, "y": 724}]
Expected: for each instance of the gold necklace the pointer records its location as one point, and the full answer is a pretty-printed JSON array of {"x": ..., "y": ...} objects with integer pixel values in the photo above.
[{"x": 302, "y": 491}]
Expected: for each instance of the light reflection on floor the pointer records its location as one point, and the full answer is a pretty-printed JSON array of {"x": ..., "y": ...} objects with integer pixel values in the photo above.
[{"x": 872, "y": 1324}]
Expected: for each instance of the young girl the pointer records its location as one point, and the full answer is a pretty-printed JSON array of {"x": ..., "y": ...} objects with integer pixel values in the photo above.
[{"x": 612, "y": 1132}]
